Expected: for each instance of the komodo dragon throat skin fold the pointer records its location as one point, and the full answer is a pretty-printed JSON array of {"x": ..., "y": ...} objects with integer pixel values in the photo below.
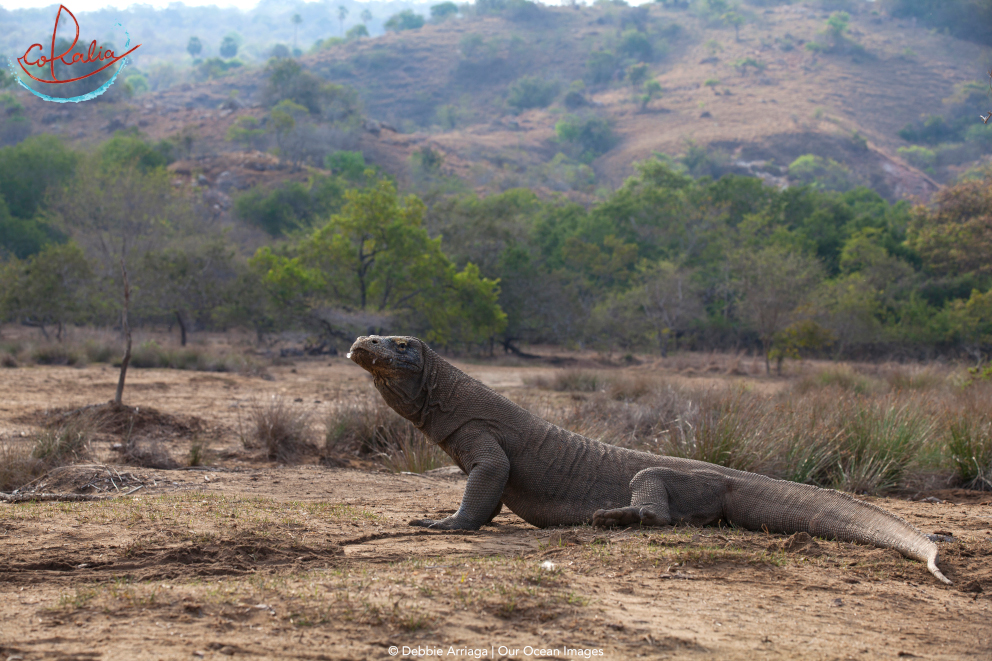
[{"x": 552, "y": 477}]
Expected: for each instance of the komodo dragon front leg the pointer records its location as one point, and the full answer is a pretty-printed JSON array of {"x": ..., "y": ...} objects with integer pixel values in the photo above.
[{"x": 488, "y": 471}]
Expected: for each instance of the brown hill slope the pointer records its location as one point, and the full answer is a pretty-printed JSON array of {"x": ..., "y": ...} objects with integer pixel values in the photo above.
[{"x": 445, "y": 86}]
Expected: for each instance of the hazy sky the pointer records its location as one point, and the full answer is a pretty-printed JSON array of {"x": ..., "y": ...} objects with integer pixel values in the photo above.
[{"x": 90, "y": 5}]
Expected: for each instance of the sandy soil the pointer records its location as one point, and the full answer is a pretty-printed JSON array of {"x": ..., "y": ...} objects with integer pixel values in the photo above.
[{"x": 242, "y": 558}]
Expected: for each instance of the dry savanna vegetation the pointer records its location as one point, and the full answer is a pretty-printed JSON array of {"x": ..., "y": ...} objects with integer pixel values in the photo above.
[
  {"x": 752, "y": 232},
  {"x": 244, "y": 515}
]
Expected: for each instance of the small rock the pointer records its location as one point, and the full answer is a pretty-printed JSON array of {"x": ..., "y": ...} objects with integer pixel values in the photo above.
[
  {"x": 931, "y": 499},
  {"x": 547, "y": 565}
]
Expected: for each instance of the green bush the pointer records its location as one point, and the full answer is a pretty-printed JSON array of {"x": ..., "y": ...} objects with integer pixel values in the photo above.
[
  {"x": 822, "y": 173},
  {"x": 919, "y": 157},
  {"x": 591, "y": 136},
  {"x": 295, "y": 205},
  {"x": 636, "y": 45},
  {"x": 348, "y": 164},
  {"x": 601, "y": 65},
  {"x": 405, "y": 20},
  {"x": 532, "y": 92}
]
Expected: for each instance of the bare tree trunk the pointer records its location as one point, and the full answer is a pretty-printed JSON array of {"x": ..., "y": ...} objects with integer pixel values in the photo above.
[
  {"x": 126, "y": 327},
  {"x": 765, "y": 348},
  {"x": 182, "y": 329}
]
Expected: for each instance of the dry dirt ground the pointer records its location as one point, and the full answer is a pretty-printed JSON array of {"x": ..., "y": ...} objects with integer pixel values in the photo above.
[{"x": 243, "y": 558}]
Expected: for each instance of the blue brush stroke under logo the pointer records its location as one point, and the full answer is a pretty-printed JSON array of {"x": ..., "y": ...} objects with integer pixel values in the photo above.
[{"x": 82, "y": 97}]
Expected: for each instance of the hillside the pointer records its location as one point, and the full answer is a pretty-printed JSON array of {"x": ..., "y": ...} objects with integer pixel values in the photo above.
[{"x": 789, "y": 102}]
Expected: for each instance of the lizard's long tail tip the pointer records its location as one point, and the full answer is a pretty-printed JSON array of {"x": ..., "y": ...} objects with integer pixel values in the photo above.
[{"x": 932, "y": 566}]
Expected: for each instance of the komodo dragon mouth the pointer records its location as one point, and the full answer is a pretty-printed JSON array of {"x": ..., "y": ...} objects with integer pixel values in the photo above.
[{"x": 384, "y": 355}]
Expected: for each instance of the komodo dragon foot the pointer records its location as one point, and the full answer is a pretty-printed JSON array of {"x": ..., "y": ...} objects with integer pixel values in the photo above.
[
  {"x": 627, "y": 516},
  {"x": 451, "y": 523}
]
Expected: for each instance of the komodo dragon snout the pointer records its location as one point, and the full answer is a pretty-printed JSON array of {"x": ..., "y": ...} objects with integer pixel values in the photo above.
[
  {"x": 388, "y": 357},
  {"x": 550, "y": 476}
]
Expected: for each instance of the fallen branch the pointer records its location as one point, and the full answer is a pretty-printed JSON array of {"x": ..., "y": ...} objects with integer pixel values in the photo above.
[{"x": 14, "y": 498}]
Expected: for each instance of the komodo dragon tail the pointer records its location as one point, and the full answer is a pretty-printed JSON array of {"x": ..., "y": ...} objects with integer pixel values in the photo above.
[{"x": 787, "y": 507}]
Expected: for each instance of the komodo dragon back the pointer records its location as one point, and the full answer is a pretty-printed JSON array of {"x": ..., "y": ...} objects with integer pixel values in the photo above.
[{"x": 550, "y": 476}]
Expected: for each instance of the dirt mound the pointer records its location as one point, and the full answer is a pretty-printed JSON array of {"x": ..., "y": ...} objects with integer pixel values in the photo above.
[{"x": 122, "y": 421}]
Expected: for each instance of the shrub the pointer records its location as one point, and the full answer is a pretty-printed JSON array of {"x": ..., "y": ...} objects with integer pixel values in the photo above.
[
  {"x": 919, "y": 157},
  {"x": 348, "y": 164},
  {"x": 405, "y": 20},
  {"x": 569, "y": 380},
  {"x": 590, "y": 136},
  {"x": 280, "y": 427},
  {"x": 368, "y": 426},
  {"x": 822, "y": 173},
  {"x": 636, "y": 45},
  {"x": 18, "y": 467},
  {"x": 532, "y": 92},
  {"x": 601, "y": 65},
  {"x": 879, "y": 442},
  {"x": 65, "y": 444}
]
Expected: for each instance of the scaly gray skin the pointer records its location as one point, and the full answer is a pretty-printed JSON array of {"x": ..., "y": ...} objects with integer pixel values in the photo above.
[{"x": 551, "y": 477}]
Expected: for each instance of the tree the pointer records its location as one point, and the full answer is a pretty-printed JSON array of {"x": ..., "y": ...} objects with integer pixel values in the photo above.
[
  {"x": 194, "y": 47},
  {"x": 186, "y": 282},
  {"x": 773, "y": 284},
  {"x": 32, "y": 169},
  {"x": 366, "y": 16},
  {"x": 443, "y": 11},
  {"x": 671, "y": 301},
  {"x": 342, "y": 14},
  {"x": 405, "y": 20},
  {"x": 652, "y": 89},
  {"x": 49, "y": 288},
  {"x": 954, "y": 234},
  {"x": 297, "y": 19},
  {"x": 374, "y": 262},
  {"x": 736, "y": 20},
  {"x": 837, "y": 25},
  {"x": 357, "y": 32},
  {"x": 637, "y": 74},
  {"x": 229, "y": 46},
  {"x": 117, "y": 213}
]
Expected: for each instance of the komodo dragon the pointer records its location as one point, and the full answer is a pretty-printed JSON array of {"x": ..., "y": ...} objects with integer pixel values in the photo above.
[{"x": 550, "y": 476}]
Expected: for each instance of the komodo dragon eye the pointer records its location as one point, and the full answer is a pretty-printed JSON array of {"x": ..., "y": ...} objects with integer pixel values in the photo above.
[{"x": 401, "y": 345}]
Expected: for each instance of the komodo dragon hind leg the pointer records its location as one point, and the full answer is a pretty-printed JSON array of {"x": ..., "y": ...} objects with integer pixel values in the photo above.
[{"x": 663, "y": 496}]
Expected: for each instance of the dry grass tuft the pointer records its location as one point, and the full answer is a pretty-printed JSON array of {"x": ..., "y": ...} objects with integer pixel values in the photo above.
[
  {"x": 147, "y": 453},
  {"x": 18, "y": 467},
  {"x": 65, "y": 444},
  {"x": 368, "y": 426},
  {"x": 282, "y": 428},
  {"x": 839, "y": 427}
]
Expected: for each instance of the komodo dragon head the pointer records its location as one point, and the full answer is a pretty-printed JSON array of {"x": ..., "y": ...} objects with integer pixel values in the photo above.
[{"x": 397, "y": 367}]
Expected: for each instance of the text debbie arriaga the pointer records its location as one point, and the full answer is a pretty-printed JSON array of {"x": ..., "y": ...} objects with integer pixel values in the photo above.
[{"x": 501, "y": 650}]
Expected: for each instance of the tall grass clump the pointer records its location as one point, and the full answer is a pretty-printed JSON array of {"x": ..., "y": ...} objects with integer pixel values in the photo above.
[
  {"x": 569, "y": 380},
  {"x": 839, "y": 429},
  {"x": 969, "y": 437},
  {"x": 65, "y": 444},
  {"x": 368, "y": 426},
  {"x": 151, "y": 354},
  {"x": 18, "y": 467},
  {"x": 878, "y": 442},
  {"x": 279, "y": 427},
  {"x": 841, "y": 377}
]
